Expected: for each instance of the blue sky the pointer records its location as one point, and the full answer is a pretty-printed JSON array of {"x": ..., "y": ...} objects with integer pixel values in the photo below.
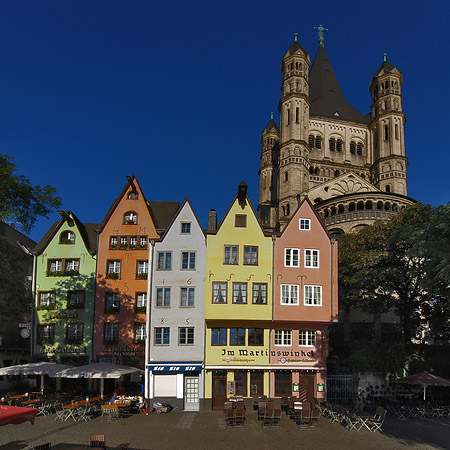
[{"x": 178, "y": 92}]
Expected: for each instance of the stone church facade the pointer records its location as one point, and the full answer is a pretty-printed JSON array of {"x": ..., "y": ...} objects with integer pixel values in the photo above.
[{"x": 351, "y": 166}]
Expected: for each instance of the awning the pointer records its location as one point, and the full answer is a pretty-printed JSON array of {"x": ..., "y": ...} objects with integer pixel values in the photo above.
[
  {"x": 16, "y": 415},
  {"x": 175, "y": 366}
]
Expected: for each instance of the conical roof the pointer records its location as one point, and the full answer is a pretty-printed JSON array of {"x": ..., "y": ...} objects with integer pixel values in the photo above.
[
  {"x": 327, "y": 99},
  {"x": 387, "y": 66},
  {"x": 271, "y": 125}
]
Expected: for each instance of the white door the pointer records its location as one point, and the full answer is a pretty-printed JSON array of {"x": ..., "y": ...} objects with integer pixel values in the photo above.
[{"x": 191, "y": 392}]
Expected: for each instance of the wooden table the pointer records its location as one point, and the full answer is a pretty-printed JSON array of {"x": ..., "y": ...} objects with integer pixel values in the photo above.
[{"x": 31, "y": 402}]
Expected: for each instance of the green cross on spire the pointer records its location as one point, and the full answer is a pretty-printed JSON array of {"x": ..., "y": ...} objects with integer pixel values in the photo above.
[
  {"x": 384, "y": 56},
  {"x": 321, "y": 37}
]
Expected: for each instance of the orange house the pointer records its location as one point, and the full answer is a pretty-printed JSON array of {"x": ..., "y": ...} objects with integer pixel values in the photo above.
[
  {"x": 305, "y": 301},
  {"x": 122, "y": 272}
]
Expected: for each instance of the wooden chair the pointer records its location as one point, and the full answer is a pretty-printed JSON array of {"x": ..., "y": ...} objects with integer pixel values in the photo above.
[
  {"x": 261, "y": 410},
  {"x": 46, "y": 446},
  {"x": 98, "y": 441},
  {"x": 268, "y": 418},
  {"x": 229, "y": 417},
  {"x": 276, "y": 420},
  {"x": 239, "y": 417},
  {"x": 226, "y": 407}
]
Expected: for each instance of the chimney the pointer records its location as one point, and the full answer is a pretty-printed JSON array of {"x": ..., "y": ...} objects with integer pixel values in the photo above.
[{"x": 212, "y": 220}]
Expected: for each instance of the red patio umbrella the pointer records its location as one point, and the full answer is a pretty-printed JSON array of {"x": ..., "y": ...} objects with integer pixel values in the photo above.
[
  {"x": 15, "y": 414},
  {"x": 424, "y": 379}
]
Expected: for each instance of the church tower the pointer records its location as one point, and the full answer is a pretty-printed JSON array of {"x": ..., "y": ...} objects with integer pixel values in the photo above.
[
  {"x": 294, "y": 105},
  {"x": 268, "y": 174},
  {"x": 387, "y": 129}
]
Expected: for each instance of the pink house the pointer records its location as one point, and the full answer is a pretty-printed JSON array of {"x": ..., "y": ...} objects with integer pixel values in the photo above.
[{"x": 305, "y": 303}]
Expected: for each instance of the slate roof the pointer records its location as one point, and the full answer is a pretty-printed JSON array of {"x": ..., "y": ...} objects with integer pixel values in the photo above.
[
  {"x": 162, "y": 213},
  {"x": 327, "y": 99},
  {"x": 15, "y": 237},
  {"x": 386, "y": 66},
  {"x": 270, "y": 125}
]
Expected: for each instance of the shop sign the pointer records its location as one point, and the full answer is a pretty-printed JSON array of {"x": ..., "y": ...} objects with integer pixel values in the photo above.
[
  {"x": 294, "y": 356},
  {"x": 48, "y": 350},
  {"x": 64, "y": 315},
  {"x": 320, "y": 387},
  {"x": 295, "y": 387},
  {"x": 175, "y": 367},
  {"x": 123, "y": 350}
]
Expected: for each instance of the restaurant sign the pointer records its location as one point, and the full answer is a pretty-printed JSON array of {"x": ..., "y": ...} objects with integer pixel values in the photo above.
[
  {"x": 64, "y": 315},
  {"x": 123, "y": 350},
  {"x": 48, "y": 350}
]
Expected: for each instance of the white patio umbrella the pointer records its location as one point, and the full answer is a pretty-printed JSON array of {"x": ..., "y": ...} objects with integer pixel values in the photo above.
[
  {"x": 98, "y": 370},
  {"x": 38, "y": 368}
]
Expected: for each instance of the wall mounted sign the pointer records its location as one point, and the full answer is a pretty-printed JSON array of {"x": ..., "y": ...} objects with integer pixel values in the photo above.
[{"x": 47, "y": 350}]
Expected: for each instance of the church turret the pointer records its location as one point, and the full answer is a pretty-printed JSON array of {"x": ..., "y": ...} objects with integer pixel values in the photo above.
[
  {"x": 387, "y": 128},
  {"x": 268, "y": 179},
  {"x": 294, "y": 128}
]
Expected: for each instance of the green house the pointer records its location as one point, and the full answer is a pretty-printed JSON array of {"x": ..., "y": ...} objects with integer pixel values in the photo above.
[{"x": 64, "y": 288}]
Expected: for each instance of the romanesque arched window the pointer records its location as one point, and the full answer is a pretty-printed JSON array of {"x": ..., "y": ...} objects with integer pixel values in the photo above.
[
  {"x": 360, "y": 206},
  {"x": 353, "y": 147},
  {"x": 359, "y": 148},
  {"x": 311, "y": 141},
  {"x": 339, "y": 145},
  {"x": 332, "y": 144},
  {"x": 369, "y": 204}
]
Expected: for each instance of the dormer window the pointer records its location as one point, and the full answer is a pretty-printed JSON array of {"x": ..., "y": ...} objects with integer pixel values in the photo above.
[
  {"x": 133, "y": 195},
  {"x": 130, "y": 218},
  {"x": 67, "y": 237}
]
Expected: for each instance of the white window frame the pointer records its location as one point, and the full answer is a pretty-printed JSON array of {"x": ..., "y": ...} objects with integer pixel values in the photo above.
[
  {"x": 164, "y": 260},
  {"x": 55, "y": 265},
  {"x": 187, "y": 297},
  {"x": 289, "y": 257},
  {"x": 72, "y": 265},
  {"x": 47, "y": 298},
  {"x": 189, "y": 336},
  {"x": 289, "y": 294},
  {"x": 75, "y": 331},
  {"x": 307, "y": 338},
  {"x": 139, "y": 331},
  {"x": 191, "y": 257},
  {"x": 312, "y": 258},
  {"x": 185, "y": 228},
  {"x": 283, "y": 338},
  {"x": 312, "y": 295},
  {"x": 141, "y": 299},
  {"x": 304, "y": 224},
  {"x": 163, "y": 297},
  {"x": 142, "y": 267},
  {"x": 114, "y": 266}
]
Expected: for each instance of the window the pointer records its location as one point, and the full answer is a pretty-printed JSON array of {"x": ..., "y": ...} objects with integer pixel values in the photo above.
[
  {"x": 240, "y": 379},
  {"x": 259, "y": 294},
  {"x": 46, "y": 298},
  {"x": 282, "y": 383},
  {"x": 133, "y": 241},
  {"x": 186, "y": 336},
  {"x": 163, "y": 297},
  {"x": 304, "y": 224},
  {"x": 142, "y": 270},
  {"x": 289, "y": 294},
  {"x": 143, "y": 241},
  {"x": 386, "y": 133},
  {"x": 311, "y": 258},
  {"x": 113, "y": 269},
  {"x": 239, "y": 292},
  {"x": 113, "y": 242},
  {"x": 219, "y": 292},
  {"x": 111, "y": 333},
  {"x": 74, "y": 332},
  {"x": 130, "y": 218},
  {"x": 139, "y": 332},
  {"x": 141, "y": 302},
  {"x": 123, "y": 241},
  {"x": 240, "y": 221},
  {"x": 332, "y": 144},
  {"x": 218, "y": 336},
  {"x": 353, "y": 147},
  {"x": 311, "y": 140},
  {"x": 307, "y": 337},
  {"x": 255, "y": 336},
  {"x": 188, "y": 260},
  {"x": 162, "y": 336},
  {"x": 185, "y": 227},
  {"x": 339, "y": 145},
  {"x": 359, "y": 148},
  {"x": 283, "y": 337},
  {"x": 46, "y": 333},
  {"x": 133, "y": 195},
  {"x": 164, "y": 260},
  {"x": 75, "y": 299},
  {"x": 318, "y": 142},
  {"x": 230, "y": 255},
  {"x": 72, "y": 265},
  {"x": 313, "y": 295},
  {"x": 237, "y": 336},
  {"x": 112, "y": 302},
  {"x": 256, "y": 382},
  {"x": 67, "y": 237},
  {"x": 251, "y": 255},
  {"x": 55, "y": 265},
  {"x": 291, "y": 257},
  {"x": 187, "y": 297}
]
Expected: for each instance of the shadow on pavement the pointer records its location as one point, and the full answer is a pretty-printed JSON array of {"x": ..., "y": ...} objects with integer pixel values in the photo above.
[
  {"x": 419, "y": 431},
  {"x": 16, "y": 445}
]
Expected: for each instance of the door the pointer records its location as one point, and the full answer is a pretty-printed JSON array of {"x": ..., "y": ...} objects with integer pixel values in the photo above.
[
  {"x": 191, "y": 393},
  {"x": 219, "y": 393},
  {"x": 307, "y": 388}
]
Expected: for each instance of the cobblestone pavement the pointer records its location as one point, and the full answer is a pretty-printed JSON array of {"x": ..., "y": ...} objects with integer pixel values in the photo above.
[{"x": 207, "y": 431}]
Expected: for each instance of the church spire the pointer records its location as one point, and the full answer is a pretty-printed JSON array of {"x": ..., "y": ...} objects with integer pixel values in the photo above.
[{"x": 321, "y": 29}]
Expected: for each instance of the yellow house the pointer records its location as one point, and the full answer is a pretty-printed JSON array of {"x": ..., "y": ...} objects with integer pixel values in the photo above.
[{"x": 238, "y": 305}]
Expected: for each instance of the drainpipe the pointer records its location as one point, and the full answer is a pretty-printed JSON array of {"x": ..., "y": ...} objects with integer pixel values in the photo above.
[
  {"x": 33, "y": 307},
  {"x": 95, "y": 296},
  {"x": 273, "y": 305},
  {"x": 147, "y": 320}
]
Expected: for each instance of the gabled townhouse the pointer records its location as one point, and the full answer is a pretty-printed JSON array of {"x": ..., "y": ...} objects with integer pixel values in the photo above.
[
  {"x": 177, "y": 313},
  {"x": 238, "y": 305},
  {"x": 64, "y": 286},
  {"x": 305, "y": 303},
  {"x": 122, "y": 273}
]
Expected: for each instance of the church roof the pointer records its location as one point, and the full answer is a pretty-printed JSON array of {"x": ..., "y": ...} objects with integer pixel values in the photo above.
[
  {"x": 387, "y": 66},
  {"x": 327, "y": 99},
  {"x": 295, "y": 47},
  {"x": 272, "y": 124}
]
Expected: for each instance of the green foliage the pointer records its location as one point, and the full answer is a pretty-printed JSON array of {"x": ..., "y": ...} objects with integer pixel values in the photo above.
[
  {"x": 20, "y": 201},
  {"x": 401, "y": 265}
]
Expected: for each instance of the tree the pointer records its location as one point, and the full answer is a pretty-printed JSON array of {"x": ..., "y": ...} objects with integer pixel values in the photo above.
[
  {"x": 393, "y": 266},
  {"x": 19, "y": 200}
]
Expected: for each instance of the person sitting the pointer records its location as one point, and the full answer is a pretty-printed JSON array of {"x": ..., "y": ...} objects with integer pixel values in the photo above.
[
  {"x": 141, "y": 403},
  {"x": 113, "y": 398}
]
